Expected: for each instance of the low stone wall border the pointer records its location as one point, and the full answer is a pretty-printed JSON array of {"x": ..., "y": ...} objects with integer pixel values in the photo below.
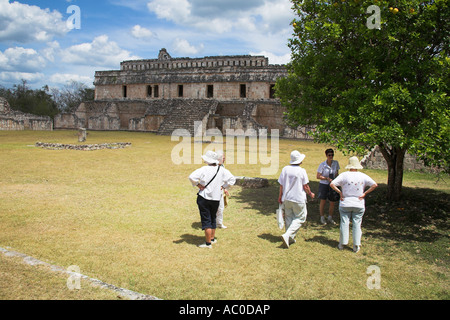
[
  {"x": 83, "y": 147},
  {"x": 132, "y": 295}
]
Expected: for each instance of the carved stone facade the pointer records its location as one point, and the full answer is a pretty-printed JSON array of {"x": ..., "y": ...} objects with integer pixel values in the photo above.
[
  {"x": 164, "y": 94},
  {"x": 16, "y": 120}
]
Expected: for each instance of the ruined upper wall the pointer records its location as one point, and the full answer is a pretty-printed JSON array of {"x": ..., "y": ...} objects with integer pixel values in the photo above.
[
  {"x": 165, "y": 69},
  {"x": 206, "y": 62}
]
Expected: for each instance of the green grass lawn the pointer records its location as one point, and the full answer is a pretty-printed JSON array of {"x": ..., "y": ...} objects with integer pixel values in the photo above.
[{"x": 128, "y": 217}]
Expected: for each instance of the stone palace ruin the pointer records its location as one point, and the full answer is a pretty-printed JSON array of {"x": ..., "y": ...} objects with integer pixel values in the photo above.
[
  {"x": 16, "y": 120},
  {"x": 164, "y": 94}
]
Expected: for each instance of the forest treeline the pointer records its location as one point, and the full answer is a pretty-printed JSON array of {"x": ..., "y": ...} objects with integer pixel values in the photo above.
[{"x": 47, "y": 101}]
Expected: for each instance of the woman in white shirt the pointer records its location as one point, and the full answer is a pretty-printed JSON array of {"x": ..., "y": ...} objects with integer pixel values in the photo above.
[
  {"x": 210, "y": 179},
  {"x": 352, "y": 205},
  {"x": 327, "y": 171}
]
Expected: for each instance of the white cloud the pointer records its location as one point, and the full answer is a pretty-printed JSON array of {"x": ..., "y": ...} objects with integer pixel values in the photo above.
[
  {"x": 24, "y": 23},
  {"x": 173, "y": 10},
  {"x": 16, "y": 77},
  {"x": 273, "y": 16},
  {"x": 141, "y": 33},
  {"x": 182, "y": 46},
  {"x": 101, "y": 52},
  {"x": 21, "y": 60},
  {"x": 51, "y": 51},
  {"x": 64, "y": 78}
]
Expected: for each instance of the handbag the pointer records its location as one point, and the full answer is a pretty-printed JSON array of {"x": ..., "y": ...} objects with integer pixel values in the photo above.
[
  {"x": 225, "y": 200},
  {"x": 280, "y": 218},
  {"x": 332, "y": 194}
]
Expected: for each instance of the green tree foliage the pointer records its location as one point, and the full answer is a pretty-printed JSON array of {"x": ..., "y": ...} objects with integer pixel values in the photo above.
[
  {"x": 47, "y": 102},
  {"x": 364, "y": 87},
  {"x": 24, "y": 99}
]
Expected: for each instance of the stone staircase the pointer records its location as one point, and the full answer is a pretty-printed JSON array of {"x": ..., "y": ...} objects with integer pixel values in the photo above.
[{"x": 183, "y": 113}]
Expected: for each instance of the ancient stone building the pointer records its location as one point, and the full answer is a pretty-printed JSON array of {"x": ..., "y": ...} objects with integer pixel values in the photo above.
[
  {"x": 164, "y": 94},
  {"x": 16, "y": 120}
]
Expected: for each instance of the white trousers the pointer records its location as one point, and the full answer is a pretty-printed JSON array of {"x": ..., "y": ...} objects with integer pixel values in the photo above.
[
  {"x": 354, "y": 215},
  {"x": 219, "y": 216},
  {"x": 294, "y": 216}
]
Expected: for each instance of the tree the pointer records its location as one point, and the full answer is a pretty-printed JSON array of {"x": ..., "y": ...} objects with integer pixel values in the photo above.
[
  {"x": 69, "y": 97},
  {"x": 24, "y": 99},
  {"x": 364, "y": 87}
]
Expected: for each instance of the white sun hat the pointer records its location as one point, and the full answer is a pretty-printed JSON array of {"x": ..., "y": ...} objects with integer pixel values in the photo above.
[
  {"x": 297, "y": 157},
  {"x": 210, "y": 157},
  {"x": 353, "y": 163}
]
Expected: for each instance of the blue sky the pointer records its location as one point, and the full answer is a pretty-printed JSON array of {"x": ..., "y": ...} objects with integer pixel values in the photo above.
[{"x": 37, "y": 45}]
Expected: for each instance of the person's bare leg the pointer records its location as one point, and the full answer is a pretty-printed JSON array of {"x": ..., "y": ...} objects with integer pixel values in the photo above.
[
  {"x": 322, "y": 207},
  {"x": 331, "y": 209},
  {"x": 209, "y": 235}
]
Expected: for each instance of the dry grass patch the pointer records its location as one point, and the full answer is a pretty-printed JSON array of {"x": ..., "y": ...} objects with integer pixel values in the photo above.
[{"x": 128, "y": 217}]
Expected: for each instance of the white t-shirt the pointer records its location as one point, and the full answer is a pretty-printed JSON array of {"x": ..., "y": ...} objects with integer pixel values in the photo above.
[
  {"x": 214, "y": 190},
  {"x": 325, "y": 170},
  {"x": 293, "y": 178},
  {"x": 353, "y": 184}
]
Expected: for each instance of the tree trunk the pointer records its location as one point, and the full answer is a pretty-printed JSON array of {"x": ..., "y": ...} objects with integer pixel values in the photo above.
[{"x": 394, "y": 158}]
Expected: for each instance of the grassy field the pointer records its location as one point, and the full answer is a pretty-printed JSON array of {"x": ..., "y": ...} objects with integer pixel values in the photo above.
[{"x": 128, "y": 217}]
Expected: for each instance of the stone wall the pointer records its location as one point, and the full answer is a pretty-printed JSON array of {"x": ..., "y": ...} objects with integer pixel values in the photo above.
[
  {"x": 375, "y": 160},
  {"x": 181, "y": 88},
  {"x": 165, "y": 61},
  {"x": 221, "y": 78},
  {"x": 16, "y": 120},
  {"x": 165, "y": 116},
  {"x": 82, "y": 147}
]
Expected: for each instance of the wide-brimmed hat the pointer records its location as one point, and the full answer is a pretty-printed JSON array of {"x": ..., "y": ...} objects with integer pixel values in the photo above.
[
  {"x": 210, "y": 157},
  {"x": 297, "y": 157},
  {"x": 353, "y": 163}
]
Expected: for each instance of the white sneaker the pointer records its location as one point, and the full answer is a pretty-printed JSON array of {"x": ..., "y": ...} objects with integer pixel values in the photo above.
[
  {"x": 341, "y": 246},
  {"x": 214, "y": 241},
  {"x": 285, "y": 240},
  {"x": 221, "y": 226},
  {"x": 322, "y": 220},
  {"x": 331, "y": 221},
  {"x": 356, "y": 249},
  {"x": 204, "y": 245}
]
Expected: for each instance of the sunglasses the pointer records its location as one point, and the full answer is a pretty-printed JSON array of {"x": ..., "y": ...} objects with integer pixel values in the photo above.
[{"x": 330, "y": 154}]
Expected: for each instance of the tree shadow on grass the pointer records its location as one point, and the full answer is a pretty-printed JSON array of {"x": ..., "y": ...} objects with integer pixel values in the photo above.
[
  {"x": 324, "y": 240},
  {"x": 265, "y": 200},
  {"x": 421, "y": 215}
]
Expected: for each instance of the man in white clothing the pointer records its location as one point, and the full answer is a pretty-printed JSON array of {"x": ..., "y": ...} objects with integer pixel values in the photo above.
[
  {"x": 210, "y": 179},
  {"x": 294, "y": 185}
]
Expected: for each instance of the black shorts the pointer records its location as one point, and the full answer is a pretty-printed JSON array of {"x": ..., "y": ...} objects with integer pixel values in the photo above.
[
  {"x": 208, "y": 211},
  {"x": 325, "y": 192}
]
